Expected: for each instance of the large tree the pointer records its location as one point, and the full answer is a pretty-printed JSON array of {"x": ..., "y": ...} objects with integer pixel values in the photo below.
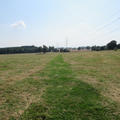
[
  {"x": 112, "y": 45},
  {"x": 118, "y": 46},
  {"x": 45, "y": 49}
]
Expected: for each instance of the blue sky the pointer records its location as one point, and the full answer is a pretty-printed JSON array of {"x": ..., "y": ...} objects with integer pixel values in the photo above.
[{"x": 51, "y": 22}]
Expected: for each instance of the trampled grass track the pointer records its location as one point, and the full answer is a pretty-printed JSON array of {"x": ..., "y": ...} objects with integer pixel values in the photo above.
[
  {"x": 68, "y": 98},
  {"x": 66, "y": 90}
]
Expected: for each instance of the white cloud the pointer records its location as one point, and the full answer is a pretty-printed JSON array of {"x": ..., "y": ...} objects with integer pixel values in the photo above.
[{"x": 18, "y": 24}]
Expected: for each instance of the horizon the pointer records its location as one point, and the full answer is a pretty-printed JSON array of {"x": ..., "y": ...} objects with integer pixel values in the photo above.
[
  {"x": 57, "y": 47},
  {"x": 51, "y": 23}
]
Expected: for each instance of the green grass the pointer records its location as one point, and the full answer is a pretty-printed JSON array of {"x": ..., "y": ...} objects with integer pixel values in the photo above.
[
  {"x": 70, "y": 99},
  {"x": 72, "y": 86},
  {"x": 19, "y": 89}
]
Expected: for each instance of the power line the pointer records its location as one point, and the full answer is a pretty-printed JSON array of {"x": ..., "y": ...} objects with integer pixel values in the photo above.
[
  {"x": 108, "y": 24},
  {"x": 102, "y": 27},
  {"x": 112, "y": 31}
]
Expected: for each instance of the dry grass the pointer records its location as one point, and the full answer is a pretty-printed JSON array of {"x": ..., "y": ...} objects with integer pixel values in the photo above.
[
  {"x": 20, "y": 82},
  {"x": 99, "y": 69},
  {"x": 25, "y": 78}
]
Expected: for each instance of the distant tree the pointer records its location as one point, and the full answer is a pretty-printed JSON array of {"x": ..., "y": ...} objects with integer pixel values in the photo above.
[
  {"x": 118, "y": 46},
  {"x": 45, "y": 49},
  {"x": 66, "y": 50},
  {"x": 96, "y": 48},
  {"x": 103, "y": 48},
  {"x": 88, "y": 47},
  {"x": 27, "y": 49},
  {"x": 40, "y": 49},
  {"x": 56, "y": 50},
  {"x": 51, "y": 48},
  {"x": 112, "y": 45},
  {"x": 61, "y": 49},
  {"x": 93, "y": 48},
  {"x": 79, "y": 48}
]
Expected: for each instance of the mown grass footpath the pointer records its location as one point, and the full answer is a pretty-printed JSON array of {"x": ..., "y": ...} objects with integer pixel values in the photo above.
[
  {"x": 101, "y": 70},
  {"x": 68, "y": 98}
]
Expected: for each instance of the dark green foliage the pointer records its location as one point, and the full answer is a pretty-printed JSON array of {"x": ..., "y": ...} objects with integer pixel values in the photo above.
[
  {"x": 79, "y": 48},
  {"x": 64, "y": 50},
  {"x": 23, "y": 49},
  {"x": 45, "y": 49},
  {"x": 118, "y": 46},
  {"x": 51, "y": 49},
  {"x": 96, "y": 48},
  {"x": 28, "y": 49},
  {"x": 40, "y": 49},
  {"x": 84, "y": 48},
  {"x": 112, "y": 45}
]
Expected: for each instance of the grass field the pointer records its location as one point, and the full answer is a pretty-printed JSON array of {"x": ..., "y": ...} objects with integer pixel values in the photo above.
[{"x": 70, "y": 86}]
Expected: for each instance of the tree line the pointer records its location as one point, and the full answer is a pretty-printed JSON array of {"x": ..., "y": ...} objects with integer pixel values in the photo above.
[
  {"x": 112, "y": 45},
  {"x": 43, "y": 49},
  {"x": 31, "y": 49}
]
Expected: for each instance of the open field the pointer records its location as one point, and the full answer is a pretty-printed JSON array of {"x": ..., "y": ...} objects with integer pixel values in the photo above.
[{"x": 70, "y": 86}]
